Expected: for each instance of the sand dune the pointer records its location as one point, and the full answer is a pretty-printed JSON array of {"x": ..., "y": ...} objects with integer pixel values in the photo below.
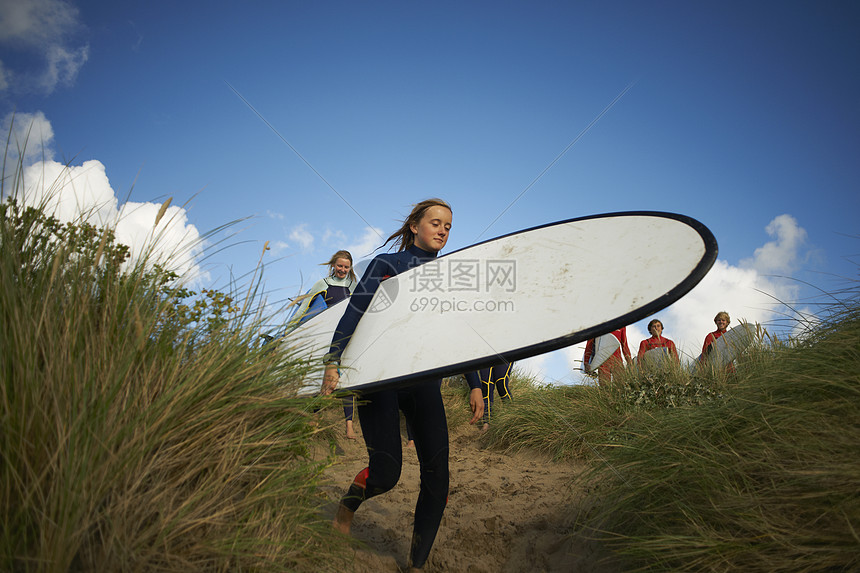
[{"x": 506, "y": 513}]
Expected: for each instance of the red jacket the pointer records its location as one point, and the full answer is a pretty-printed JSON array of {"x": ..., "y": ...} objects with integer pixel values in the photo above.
[
  {"x": 615, "y": 359},
  {"x": 710, "y": 339},
  {"x": 654, "y": 342}
]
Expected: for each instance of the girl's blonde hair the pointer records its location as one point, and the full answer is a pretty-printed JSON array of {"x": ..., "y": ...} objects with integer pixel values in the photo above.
[
  {"x": 342, "y": 255},
  {"x": 404, "y": 237},
  {"x": 723, "y": 314}
]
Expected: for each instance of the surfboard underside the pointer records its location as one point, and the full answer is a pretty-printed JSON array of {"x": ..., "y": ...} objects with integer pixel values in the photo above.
[{"x": 516, "y": 296}]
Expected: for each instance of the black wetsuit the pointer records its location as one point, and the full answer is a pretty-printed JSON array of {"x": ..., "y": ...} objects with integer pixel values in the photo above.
[
  {"x": 496, "y": 375},
  {"x": 380, "y": 419}
]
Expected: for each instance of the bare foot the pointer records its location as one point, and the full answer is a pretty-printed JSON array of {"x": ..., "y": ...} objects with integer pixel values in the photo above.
[
  {"x": 410, "y": 444},
  {"x": 343, "y": 519},
  {"x": 484, "y": 428},
  {"x": 350, "y": 433}
]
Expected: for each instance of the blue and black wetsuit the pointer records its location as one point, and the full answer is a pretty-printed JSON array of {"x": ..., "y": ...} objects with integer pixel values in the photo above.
[
  {"x": 322, "y": 295},
  {"x": 496, "y": 375},
  {"x": 380, "y": 419},
  {"x": 335, "y": 293}
]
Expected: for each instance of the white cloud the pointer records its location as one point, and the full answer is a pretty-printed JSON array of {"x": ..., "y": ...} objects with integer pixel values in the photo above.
[
  {"x": 36, "y": 22},
  {"x": 71, "y": 192},
  {"x": 84, "y": 193},
  {"x": 535, "y": 366},
  {"x": 278, "y": 247},
  {"x": 370, "y": 239},
  {"x": 63, "y": 65},
  {"x": 364, "y": 247},
  {"x": 302, "y": 236},
  {"x": 360, "y": 248},
  {"x": 806, "y": 323},
  {"x": 781, "y": 254},
  {"x": 48, "y": 29},
  {"x": 31, "y": 133},
  {"x": 330, "y": 237},
  {"x": 174, "y": 242}
]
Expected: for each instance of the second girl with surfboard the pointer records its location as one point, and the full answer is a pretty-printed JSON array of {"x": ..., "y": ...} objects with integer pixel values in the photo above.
[{"x": 423, "y": 234}]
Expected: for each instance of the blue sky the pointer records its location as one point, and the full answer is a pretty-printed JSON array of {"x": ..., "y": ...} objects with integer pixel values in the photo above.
[{"x": 743, "y": 115}]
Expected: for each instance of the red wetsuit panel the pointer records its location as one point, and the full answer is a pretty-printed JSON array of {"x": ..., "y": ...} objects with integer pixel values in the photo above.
[
  {"x": 654, "y": 342},
  {"x": 613, "y": 362},
  {"x": 710, "y": 339}
]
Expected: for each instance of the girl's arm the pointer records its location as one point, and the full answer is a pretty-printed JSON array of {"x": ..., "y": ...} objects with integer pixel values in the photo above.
[
  {"x": 377, "y": 271},
  {"x": 476, "y": 397}
]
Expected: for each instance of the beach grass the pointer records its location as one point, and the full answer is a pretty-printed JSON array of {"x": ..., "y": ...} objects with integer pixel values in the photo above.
[
  {"x": 756, "y": 470},
  {"x": 136, "y": 434}
]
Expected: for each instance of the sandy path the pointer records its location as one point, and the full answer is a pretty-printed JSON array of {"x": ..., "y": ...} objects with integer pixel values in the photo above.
[{"x": 506, "y": 513}]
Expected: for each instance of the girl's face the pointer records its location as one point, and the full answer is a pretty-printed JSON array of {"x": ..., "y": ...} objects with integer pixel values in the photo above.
[
  {"x": 656, "y": 329},
  {"x": 721, "y": 323},
  {"x": 341, "y": 268},
  {"x": 431, "y": 232}
]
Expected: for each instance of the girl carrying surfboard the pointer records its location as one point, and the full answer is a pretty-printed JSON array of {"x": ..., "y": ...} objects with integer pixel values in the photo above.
[
  {"x": 338, "y": 285},
  {"x": 423, "y": 234},
  {"x": 332, "y": 289}
]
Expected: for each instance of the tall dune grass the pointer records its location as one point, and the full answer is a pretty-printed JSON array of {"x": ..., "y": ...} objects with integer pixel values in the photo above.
[
  {"x": 579, "y": 421},
  {"x": 563, "y": 422},
  {"x": 132, "y": 438},
  {"x": 754, "y": 471},
  {"x": 766, "y": 480}
]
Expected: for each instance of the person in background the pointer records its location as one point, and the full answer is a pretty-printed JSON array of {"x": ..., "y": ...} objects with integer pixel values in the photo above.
[
  {"x": 486, "y": 379},
  {"x": 338, "y": 285},
  {"x": 657, "y": 340},
  {"x": 615, "y": 362},
  {"x": 722, "y": 321}
]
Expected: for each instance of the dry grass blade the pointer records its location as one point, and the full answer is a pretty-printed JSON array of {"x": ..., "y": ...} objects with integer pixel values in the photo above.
[{"x": 162, "y": 211}]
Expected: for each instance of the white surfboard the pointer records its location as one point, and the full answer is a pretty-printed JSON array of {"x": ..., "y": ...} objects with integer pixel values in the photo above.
[
  {"x": 729, "y": 347},
  {"x": 604, "y": 347},
  {"x": 513, "y": 297},
  {"x": 654, "y": 358}
]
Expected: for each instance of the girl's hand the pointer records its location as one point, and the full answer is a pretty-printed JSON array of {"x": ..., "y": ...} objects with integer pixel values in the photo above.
[
  {"x": 476, "y": 403},
  {"x": 330, "y": 379}
]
